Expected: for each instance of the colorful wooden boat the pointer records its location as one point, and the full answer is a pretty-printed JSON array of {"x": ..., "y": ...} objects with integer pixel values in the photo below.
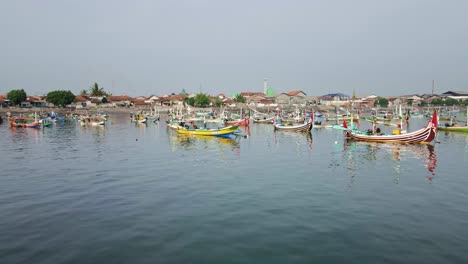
[
  {"x": 23, "y": 122},
  {"x": 454, "y": 128},
  {"x": 225, "y": 131},
  {"x": 264, "y": 120},
  {"x": 306, "y": 127},
  {"x": 87, "y": 121},
  {"x": 422, "y": 136},
  {"x": 139, "y": 118},
  {"x": 238, "y": 122}
]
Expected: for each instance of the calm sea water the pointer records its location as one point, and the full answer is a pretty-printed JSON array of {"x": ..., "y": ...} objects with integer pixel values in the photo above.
[{"x": 130, "y": 193}]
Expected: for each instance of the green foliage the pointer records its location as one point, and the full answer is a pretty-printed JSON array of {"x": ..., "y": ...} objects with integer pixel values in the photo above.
[
  {"x": 60, "y": 97},
  {"x": 84, "y": 92},
  {"x": 218, "y": 102},
  {"x": 95, "y": 90},
  {"x": 422, "y": 103},
  {"x": 451, "y": 101},
  {"x": 202, "y": 100},
  {"x": 410, "y": 102},
  {"x": 104, "y": 100},
  {"x": 437, "y": 102},
  {"x": 240, "y": 98},
  {"x": 190, "y": 101},
  {"x": 448, "y": 102},
  {"x": 382, "y": 102},
  {"x": 16, "y": 96},
  {"x": 464, "y": 102}
]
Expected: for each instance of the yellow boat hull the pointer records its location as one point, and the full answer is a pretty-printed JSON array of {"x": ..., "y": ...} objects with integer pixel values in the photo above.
[{"x": 208, "y": 132}]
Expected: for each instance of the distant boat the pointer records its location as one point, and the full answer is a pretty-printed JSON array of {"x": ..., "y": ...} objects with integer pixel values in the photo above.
[
  {"x": 264, "y": 120},
  {"x": 23, "y": 122},
  {"x": 238, "y": 122},
  {"x": 139, "y": 118},
  {"x": 455, "y": 127}
]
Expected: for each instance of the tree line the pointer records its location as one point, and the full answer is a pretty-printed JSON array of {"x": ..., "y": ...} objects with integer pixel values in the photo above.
[
  {"x": 59, "y": 97},
  {"x": 62, "y": 98}
]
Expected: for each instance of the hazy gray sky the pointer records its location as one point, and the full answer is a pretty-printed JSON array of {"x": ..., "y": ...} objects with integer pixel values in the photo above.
[{"x": 158, "y": 47}]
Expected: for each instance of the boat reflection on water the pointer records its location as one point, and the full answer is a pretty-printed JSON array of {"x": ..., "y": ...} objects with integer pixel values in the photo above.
[
  {"x": 400, "y": 154},
  {"x": 198, "y": 142},
  {"x": 24, "y": 135},
  {"x": 301, "y": 139}
]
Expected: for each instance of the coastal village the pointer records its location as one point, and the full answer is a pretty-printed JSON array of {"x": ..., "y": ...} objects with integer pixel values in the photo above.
[
  {"x": 292, "y": 111},
  {"x": 267, "y": 99}
]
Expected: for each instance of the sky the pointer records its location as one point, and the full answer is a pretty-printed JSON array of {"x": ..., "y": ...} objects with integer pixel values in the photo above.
[{"x": 387, "y": 47}]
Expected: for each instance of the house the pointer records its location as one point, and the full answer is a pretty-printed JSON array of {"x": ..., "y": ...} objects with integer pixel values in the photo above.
[
  {"x": 120, "y": 100},
  {"x": 459, "y": 95},
  {"x": 250, "y": 94},
  {"x": 282, "y": 99},
  {"x": 229, "y": 102},
  {"x": 140, "y": 102},
  {"x": 394, "y": 101},
  {"x": 259, "y": 101},
  {"x": 452, "y": 93},
  {"x": 296, "y": 93},
  {"x": 335, "y": 99},
  {"x": 292, "y": 98},
  {"x": 37, "y": 101},
  {"x": 173, "y": 99},
  {"x": 82, "y": 101},
  {"x": 413, "y": 100},
  {"x": 153, "y": 99}
]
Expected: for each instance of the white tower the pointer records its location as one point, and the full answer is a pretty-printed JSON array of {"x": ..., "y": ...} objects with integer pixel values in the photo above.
[{"x": 265, "y": 86}]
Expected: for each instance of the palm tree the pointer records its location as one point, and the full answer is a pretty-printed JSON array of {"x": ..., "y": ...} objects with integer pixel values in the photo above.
[
  {"x": 84, "y": 92},
  {"x": 96, "y": 91}
]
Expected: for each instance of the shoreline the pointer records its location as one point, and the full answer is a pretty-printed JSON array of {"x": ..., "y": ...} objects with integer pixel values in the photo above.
[{"x": 163, "y": 110}]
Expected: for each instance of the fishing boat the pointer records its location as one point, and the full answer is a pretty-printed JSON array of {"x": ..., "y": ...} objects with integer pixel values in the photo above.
[
  {"x": 455, "y": 127},
  {"x": 234, "y": 119},
  {"x": 238, "y": 122},
  {"x": 23, "y": 122},
  {"x": 222, "y": 132},
  {"x": 45, "y": 122},
  {"x": 306, "y": 127},
  {"x": 92, "y": 121},
  {"x": 264, "y": 120},
  {"x": 139, "y": 118},
  {"x": 422, "y": 136}
]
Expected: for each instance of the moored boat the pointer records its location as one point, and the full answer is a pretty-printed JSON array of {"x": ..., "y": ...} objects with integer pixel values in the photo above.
[
  {"x": 23, "y": 122},
  {"x": 264, "y": 120},
  {"x": 225, "y": 131},
  {"x": 306, "y": 127},
  {"x": 238, "y": 122},
  {"x": 455, "y": 127},
  {"x": 421, "y": 136}
]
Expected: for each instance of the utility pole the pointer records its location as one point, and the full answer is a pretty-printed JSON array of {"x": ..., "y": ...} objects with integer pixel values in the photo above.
[{"x": 433, "y": 86}]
